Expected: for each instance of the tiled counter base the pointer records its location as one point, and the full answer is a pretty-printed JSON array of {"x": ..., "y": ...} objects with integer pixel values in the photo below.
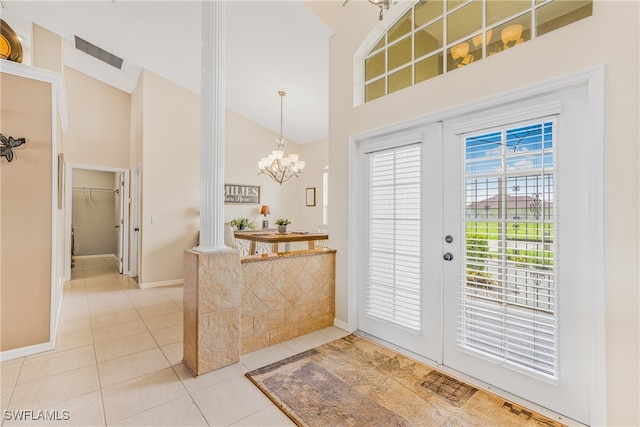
[{"x": 286, "y": 295}]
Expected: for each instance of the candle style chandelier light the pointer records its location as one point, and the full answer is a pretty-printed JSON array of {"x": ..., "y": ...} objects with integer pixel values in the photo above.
[{"x": 279, "y": 165}]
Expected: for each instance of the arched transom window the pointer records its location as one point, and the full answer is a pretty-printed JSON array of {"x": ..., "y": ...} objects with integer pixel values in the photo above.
[{"x": 439, "y": 36}]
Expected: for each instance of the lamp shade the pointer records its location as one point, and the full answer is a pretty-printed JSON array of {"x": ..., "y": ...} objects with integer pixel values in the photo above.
[{"x": 264, "y": 210}]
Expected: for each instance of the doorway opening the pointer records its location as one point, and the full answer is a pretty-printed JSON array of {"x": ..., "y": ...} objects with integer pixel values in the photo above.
[{"x": 97, "y": 216}]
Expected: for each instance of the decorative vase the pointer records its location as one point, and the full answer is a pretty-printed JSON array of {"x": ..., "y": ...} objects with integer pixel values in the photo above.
[
  {"x": 282, "y": 229},
  {"x": 10, "y": 46}
]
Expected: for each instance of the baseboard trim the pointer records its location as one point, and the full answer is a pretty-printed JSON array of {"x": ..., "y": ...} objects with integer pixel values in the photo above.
[
  {"x": 342, "y": 325},
  {"x": 26, "y": 351},
  {"x": 162, "y": 283},
  {"x": 94, "y": 256}
]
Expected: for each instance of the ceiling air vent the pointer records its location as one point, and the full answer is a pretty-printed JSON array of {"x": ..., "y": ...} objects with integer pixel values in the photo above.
[{"x": 98, "y": 53}]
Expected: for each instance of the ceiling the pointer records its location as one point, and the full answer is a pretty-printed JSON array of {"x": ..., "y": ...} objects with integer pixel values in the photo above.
[{"x": 270, "y": 46}]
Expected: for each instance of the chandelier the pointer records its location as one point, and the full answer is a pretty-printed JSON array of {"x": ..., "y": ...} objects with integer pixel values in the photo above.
[
  {"x": 279, "y": 165},
  {"x": 382, "y": 4}
]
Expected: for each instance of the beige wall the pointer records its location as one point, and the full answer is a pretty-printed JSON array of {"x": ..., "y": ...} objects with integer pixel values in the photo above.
[
  {"x": 135, "y": 131},
  {"x": 99, "y": 122},
  {"x": 552, "y": 55},
  {"x": 93, "y": 213},
  {"x": 246, "y": 143},
  {"x": 25, "y": 214},
  {"x": 47, "y": 49},
  {"x": 170, "y": 120},
  {"x": 316, "y": 156},
  {"x": 174, "y": 198}
]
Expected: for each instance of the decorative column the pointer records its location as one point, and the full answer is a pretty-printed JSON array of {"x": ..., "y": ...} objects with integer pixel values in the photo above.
[
  {"x": 212, "y": 138},
  {"x": 212, "y": 276}
]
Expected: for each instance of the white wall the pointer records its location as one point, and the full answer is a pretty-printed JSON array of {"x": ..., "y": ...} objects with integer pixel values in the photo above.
[
  {"x": 93, "y": 213},
  {"x": 578, "y": 46}
]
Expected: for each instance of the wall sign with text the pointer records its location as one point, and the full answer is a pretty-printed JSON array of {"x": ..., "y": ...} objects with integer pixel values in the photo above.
[{"x": 234, "y": 193}]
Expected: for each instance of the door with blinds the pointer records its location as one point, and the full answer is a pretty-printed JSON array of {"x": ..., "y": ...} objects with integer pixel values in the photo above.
[
  {"x": 515, "y": 300},
  {"x": 400, "y": 288},
  {"x": 476, "y": 232}
]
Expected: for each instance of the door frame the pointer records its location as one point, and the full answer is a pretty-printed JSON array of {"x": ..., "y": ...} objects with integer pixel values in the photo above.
[
  {"x": 69, "y": 204},
  {"x": 593, "y": 79},
  {"x": 134, "y": 213},
  {"x": 59, "y": 124}
]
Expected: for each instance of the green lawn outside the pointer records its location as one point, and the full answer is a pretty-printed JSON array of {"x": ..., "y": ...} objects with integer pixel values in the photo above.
[
  {"x": 479, "y": 233},
  {"x": 533, "y": 232}
]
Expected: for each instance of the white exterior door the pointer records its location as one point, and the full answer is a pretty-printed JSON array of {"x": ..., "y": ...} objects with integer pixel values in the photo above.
[
  {"x": 477, "y": 235},
  {"x": 515, "y": 307},
  {"x": 401, "y": 222}
]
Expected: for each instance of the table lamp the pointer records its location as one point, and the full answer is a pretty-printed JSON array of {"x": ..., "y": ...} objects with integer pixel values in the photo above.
[{"x": 265, "y": 211}]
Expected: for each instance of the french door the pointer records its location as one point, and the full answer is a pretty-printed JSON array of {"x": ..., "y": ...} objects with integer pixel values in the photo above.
[
  {"x": 475, "y": 231},
  {"x": 401, "y": 289}
]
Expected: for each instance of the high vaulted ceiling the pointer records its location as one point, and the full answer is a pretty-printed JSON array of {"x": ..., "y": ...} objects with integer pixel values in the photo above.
[{"x": 270, "y": 46}]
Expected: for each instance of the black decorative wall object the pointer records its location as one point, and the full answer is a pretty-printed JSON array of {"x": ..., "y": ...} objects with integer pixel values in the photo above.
[{"x": 8, "y": 144}]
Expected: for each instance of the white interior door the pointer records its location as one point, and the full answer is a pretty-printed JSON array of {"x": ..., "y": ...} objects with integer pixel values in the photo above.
[
  {"x": 120, "y": 213},
  {"x": 474, "y": 239}
]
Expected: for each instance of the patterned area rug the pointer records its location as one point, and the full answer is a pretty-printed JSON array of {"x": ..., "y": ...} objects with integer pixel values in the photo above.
[{"x": 355, "y": 382}]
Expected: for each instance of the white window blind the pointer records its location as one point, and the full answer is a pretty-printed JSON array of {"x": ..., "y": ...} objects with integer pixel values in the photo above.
[
  {"x": 508, "y": 296},
  {"x": 393, "y": 278}
]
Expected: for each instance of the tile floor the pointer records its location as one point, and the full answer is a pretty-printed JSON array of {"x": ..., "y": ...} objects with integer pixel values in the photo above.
[{"x": 118, "y": 361}]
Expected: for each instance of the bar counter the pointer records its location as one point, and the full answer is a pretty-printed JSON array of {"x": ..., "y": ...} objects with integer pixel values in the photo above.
[
  {"x": 286, "y": 295},
  {"x": 274, "y": 238},
  {"x": 291, "y": 254}
]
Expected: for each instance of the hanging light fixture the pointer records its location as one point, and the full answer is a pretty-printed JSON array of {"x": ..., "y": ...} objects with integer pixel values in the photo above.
[
  {"x": 279, "y": 165},
  {"x": 382, "y": 4}
]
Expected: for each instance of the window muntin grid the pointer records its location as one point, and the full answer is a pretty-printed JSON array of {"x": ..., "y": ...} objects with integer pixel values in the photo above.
[
  {"x": 508, "y": 290},
  {"x": 440, "y": 36}
]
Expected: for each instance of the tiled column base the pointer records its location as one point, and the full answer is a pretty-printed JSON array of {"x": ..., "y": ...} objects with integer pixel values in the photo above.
[{"x": 212, "y": 294}]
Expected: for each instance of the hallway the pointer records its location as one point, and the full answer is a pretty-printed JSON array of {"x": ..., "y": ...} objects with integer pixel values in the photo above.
[{"x": 118, "y": 361}]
